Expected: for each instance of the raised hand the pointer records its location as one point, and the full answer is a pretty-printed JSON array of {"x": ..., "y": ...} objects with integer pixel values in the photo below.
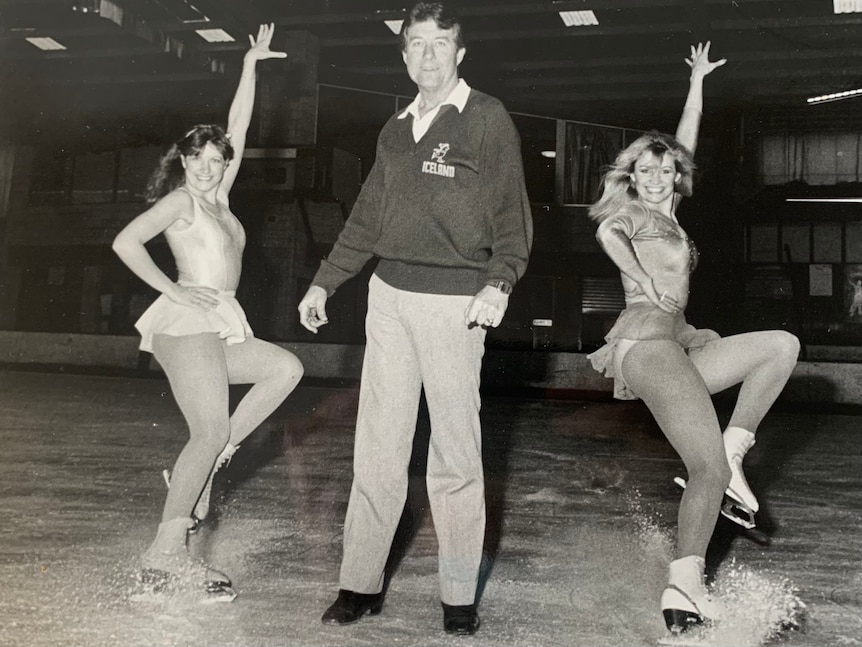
[
  {"x": 260, "y": 46},
  {"x": 699, "y": 61}
]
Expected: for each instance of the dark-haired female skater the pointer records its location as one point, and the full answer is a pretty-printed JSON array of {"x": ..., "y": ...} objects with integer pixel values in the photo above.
[
  {"x": 654, "y": 355},
  {"x": 196, "y": 329}
]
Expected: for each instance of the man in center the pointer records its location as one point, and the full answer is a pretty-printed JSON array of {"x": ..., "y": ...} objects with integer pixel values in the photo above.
[{"x": 445, "y": 210}]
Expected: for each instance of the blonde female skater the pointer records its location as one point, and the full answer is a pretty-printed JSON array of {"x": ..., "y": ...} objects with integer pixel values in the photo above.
[{"x": 654, "y": 355}]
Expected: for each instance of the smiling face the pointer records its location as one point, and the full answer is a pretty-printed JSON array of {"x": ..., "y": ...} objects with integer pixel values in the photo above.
[
  {"x": 205, "y": 169},
  {"x": 653, "y": 178},
  {"x": 432, "y": 57}
]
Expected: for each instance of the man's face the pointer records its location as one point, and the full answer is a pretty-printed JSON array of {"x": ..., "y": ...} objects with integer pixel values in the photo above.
[{"x": 431, "y": 56}]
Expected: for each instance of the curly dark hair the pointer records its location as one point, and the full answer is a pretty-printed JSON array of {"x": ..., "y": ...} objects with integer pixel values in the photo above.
[{"x": 169, "y": 174}]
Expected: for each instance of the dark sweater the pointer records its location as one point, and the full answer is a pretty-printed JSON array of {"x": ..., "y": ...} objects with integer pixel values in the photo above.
[{"x": 445, "y": 215}]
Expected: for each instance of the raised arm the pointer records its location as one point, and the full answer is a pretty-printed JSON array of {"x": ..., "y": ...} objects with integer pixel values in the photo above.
[
  {"x": 689, "y": 122},
  {"x": 241, "y": 108}
]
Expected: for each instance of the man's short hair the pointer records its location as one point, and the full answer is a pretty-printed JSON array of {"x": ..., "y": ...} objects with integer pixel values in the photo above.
[{"x": 437, "y": 12}]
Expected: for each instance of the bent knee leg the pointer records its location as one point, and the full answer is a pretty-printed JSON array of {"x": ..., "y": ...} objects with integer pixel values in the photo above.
[
  {"x": 713, "y": 476},
  {"x": 786, "y": 345},
  {"x": 212, "y": 431},
  {"x": 288, "y": 370}
]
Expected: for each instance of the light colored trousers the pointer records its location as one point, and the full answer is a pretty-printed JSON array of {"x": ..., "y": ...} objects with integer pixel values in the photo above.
[{"x": 415, "y": 340}]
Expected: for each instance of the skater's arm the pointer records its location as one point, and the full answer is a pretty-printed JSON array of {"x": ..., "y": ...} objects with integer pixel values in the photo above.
[
  {"x": 615, "y": 237},
  {"x": 689, "y": 122},
  {"x": 130, "y": 243},
  {"x": 241, "y": 108}
]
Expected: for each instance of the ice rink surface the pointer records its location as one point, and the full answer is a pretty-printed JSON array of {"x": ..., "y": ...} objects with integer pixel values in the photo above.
[{"x": 581, "y": 508}]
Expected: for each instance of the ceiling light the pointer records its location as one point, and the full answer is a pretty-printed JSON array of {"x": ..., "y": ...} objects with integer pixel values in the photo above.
[
  {"x": 580, "y": 18},
  {"x": 549, "y": 154},
  {"x": 835, "y": 96},
  {"x": 45, "y": 43},
  {"x": 215, "y": 35},
  {"x": 847, "y": 6},
  {"x": 823, "y": 199},
  {"x": 394, "y": 25},
  {"x": 88, "y": 6}
]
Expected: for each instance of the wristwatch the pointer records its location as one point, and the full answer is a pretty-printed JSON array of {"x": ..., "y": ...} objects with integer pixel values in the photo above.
[{"x": 502, "y": 286}]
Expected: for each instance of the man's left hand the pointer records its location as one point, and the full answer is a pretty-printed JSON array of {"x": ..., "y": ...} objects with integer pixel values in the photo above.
[{"x": 487, "y": 308}]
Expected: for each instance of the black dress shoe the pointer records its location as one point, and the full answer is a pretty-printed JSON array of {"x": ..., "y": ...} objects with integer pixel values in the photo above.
[
  {"x": 461, "y": 620},
  {"x": 350, "y": 606}
]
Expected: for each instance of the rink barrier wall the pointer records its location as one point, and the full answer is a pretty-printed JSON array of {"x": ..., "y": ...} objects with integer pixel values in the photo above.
[{"x": 814, "y": 382}]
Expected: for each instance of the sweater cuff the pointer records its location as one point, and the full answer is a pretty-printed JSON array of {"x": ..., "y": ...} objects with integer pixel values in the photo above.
[{"x": 329, "y": 277}]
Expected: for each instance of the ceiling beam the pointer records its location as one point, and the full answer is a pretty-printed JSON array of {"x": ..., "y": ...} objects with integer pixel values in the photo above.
[
  {"x": 536, "y": 35},
  {"x": 141, "y": 28},
  {"x": 134, "y": 51},
  {"x": 821, "y": 75},
  {"x": 850, "y": 53}
]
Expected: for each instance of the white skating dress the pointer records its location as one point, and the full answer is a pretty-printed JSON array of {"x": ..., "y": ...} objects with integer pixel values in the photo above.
[{"x": 207, "y": 253}]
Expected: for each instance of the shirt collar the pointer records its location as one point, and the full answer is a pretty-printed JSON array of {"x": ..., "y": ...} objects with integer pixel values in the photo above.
[{"x": 458, "y": 98}]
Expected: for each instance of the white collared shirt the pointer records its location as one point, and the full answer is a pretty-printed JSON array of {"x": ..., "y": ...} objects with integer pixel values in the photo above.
[{"x": 458, "y": 98}]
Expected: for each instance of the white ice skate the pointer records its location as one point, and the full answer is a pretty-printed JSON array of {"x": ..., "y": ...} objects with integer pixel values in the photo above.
[
  {"x": 731, "y": 507},
  {"x": 739, "y": 504},
  {"x": 737, "y": 442},
  {"x": 686, "y": 602}
]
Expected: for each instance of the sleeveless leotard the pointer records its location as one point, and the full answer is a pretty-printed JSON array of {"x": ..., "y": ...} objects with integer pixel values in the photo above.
[{"x": 207, "y": 253}]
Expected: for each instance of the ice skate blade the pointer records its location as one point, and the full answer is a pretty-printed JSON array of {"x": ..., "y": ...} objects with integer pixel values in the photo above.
[
  {"x": 731, "y": 508},
  {"x": 737, "y": 512},
  {"x": 218, "y": 592},
  {"x": 683, "y": 640},
  {"x": 679, "y": 621},
  {"x": 154, "y": 581}
]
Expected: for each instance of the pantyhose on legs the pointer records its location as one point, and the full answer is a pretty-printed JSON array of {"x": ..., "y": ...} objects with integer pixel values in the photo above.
[
  {"x": 199, "y": 369},
  {"x": 677, "y": 391},
  {"x": 676, "y": 388}
]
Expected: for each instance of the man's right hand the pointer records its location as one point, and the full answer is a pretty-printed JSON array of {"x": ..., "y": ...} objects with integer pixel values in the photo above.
[{"x": 312, "y": 309}]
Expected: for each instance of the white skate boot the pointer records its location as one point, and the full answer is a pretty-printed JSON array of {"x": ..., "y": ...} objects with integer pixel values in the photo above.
[
  {"x": 739, "y": 499},
  {"x": 740, "y": 504},
  {"x": 730, "y": 507},
  {"x": 686, "y": 602}
]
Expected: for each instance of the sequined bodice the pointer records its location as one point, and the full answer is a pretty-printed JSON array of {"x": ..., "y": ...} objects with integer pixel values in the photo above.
[{"x": 663, "y": 250}]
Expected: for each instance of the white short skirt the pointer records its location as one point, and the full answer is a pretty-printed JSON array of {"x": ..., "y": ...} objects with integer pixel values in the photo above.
[{"x": 167, "y": 317}]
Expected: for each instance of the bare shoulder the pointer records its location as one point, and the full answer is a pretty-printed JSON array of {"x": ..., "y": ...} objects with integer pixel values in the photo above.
[
  {"x": 222, "y": 197},
  {"x": 178, "y": 206}
]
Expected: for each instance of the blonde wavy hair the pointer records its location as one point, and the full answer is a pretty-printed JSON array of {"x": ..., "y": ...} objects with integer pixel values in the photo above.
[{"x": 617, "y": 189}]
